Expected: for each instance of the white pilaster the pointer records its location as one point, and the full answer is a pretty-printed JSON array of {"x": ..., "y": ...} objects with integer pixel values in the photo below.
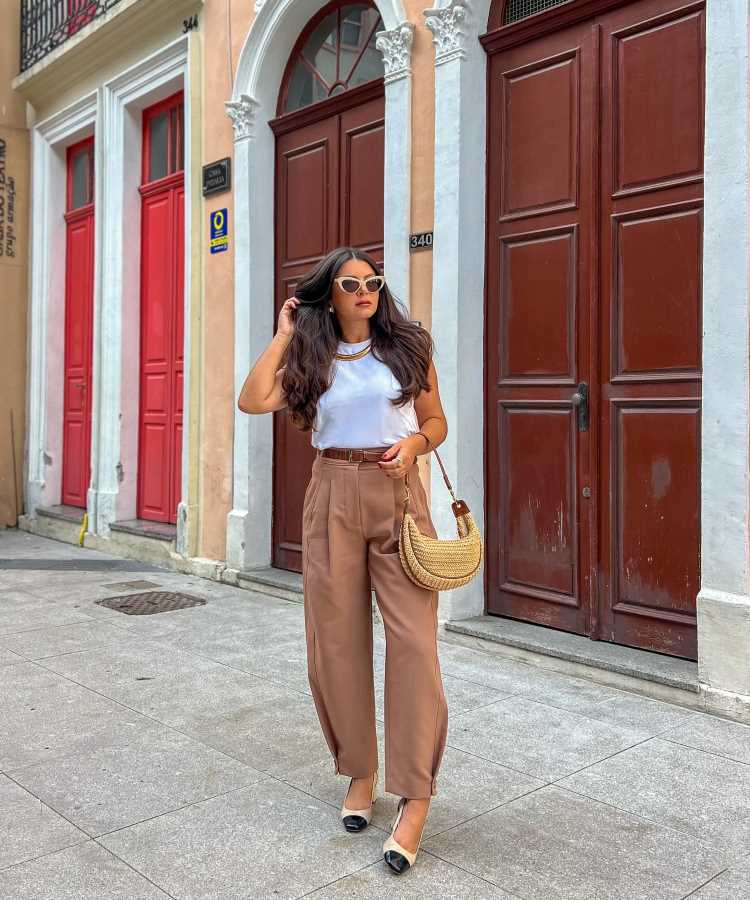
[
  {"x": 395, "y": 46},
  {"x": 724, "y": 598},
  {"x": 458, "y": 268}
]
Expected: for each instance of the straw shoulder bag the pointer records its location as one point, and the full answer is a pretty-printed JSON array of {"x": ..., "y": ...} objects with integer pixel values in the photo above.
[{"x": 440, "y": 564}]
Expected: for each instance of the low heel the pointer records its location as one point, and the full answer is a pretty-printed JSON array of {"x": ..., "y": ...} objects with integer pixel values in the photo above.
[{"x": 359, "y": 819}]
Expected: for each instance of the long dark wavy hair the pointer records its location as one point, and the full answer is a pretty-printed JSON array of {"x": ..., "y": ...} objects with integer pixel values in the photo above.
[{"x": 404, "y": 346}]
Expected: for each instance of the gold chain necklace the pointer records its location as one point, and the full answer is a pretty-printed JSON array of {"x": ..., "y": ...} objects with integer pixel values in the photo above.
[{"x": 358, "y": 355}]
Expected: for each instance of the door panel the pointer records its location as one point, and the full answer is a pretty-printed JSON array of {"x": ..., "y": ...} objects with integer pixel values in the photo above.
[
  {"x": 539, "y": 284},
  {"x": 329, "y": 192},
  {"x": 361, "y": 165},
  {"x": 594, "y": 275},
  {"x": 657, "y": 135},
  {"x": 540, "y": 152},
  {"x": 539, "y": 512}
]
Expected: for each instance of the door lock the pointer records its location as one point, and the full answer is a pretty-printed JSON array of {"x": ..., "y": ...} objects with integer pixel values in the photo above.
[{"x": 581, "y": 400}]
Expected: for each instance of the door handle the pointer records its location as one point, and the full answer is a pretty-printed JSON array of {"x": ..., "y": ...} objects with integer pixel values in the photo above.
[{"x": 581, "y": 400}]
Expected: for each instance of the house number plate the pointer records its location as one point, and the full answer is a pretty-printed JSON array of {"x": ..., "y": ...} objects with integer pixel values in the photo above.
[{"x": 422, "y": 240}]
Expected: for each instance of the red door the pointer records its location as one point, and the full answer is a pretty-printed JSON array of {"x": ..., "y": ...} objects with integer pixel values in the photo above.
[
  {"x": 593, "y": 325},
  {"x": 79, "y": 288},
  {"x": 162, "y": 285}
]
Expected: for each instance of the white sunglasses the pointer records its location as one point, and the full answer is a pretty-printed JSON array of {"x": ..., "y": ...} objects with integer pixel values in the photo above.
[{"x": 350, "y": 283}]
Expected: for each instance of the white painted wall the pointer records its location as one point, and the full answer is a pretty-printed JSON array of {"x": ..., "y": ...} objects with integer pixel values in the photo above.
[{"x": 724, "y": 598}]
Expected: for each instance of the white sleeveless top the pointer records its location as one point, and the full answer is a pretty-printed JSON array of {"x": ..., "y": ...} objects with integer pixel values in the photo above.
[{"x": 356, "y": 410}]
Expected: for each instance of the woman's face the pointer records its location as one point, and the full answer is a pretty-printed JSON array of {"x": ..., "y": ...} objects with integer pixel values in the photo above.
[{"x": 359, "y": 306}]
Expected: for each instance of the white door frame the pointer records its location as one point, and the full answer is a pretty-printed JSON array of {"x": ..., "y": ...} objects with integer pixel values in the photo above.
[
  {"x": 46, "y": 320},
  {"x": 117, "y": 373}
]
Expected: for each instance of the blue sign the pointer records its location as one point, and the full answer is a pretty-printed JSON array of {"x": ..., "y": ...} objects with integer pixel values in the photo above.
[{"x": 219, "y": 231}]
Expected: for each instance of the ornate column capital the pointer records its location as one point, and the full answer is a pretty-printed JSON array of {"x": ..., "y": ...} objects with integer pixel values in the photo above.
[
  {"x": 395, "y": 45},
  {"x": 242, "y": 114},
  {"x": 448, "y": 32}
]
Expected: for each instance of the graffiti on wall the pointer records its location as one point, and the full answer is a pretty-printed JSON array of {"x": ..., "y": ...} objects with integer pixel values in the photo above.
[{"x": 8, "y": 236}]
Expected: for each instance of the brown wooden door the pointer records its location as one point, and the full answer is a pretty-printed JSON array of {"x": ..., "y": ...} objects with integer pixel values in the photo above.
[
  {"x": 329, "y": 192},
  {"x": 593, "y": 277}
]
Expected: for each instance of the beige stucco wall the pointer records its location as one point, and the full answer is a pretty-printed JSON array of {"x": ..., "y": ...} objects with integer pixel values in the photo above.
[
  {"x": 217, "y": 371},
  {"x": 217, "y": 377},
  {"x": 422, "y": 159},
  {"x": 14, "y": 198}
]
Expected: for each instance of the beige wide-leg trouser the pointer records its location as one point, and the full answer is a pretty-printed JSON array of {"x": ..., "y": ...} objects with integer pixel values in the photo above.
[{"x": 350, "y": 523}]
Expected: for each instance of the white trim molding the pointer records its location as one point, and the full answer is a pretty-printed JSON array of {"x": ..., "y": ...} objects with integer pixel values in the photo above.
[
  {"x": 46, "y": 319},
  {"x": 267, "y": 47},
  {"x": 458, "y": 264},
  {"x": 116, "y": 337}
]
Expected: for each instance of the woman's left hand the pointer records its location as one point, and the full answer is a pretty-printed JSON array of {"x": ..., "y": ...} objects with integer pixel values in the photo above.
[{"x": 399, "y": 458}]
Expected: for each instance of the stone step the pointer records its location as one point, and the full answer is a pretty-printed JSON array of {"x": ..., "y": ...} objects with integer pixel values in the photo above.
[
  {"x": 652, "y": 674},
  {"x": 276, "y": 582}
]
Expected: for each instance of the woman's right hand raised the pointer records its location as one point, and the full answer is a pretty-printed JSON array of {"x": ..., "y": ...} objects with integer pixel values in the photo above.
[{"x": 287, "y": 313}]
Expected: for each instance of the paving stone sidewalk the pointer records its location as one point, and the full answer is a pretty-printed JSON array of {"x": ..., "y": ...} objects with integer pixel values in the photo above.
[{"x": 179, "y": 755}]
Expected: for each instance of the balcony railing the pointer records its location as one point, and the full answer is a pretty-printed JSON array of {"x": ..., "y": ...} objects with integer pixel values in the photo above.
[{"x": 46, "y": 24}]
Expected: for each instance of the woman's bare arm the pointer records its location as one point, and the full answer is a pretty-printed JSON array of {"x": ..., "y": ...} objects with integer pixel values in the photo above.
[
  {"x": 430, "y": 413},
  {"x": 262, "y": 391}
]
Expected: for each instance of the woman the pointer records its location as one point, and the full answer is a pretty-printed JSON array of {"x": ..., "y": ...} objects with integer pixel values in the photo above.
[{"x": 360, "y": 375}]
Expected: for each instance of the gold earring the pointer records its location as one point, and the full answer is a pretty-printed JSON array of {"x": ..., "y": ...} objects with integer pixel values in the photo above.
[{"x": 330, "y": 308}]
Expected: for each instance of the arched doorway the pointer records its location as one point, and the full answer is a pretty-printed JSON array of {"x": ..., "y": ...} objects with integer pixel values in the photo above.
[
  {"x": 329, "y": 165},
  {"x": 593, "y": 317}
]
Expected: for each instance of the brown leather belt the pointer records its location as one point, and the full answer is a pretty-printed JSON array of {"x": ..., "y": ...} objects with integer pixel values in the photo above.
[{"x": 364, "y": 454}]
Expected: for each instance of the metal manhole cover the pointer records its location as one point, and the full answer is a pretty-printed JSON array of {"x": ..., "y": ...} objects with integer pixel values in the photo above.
[{"x": 150, "y": 602}]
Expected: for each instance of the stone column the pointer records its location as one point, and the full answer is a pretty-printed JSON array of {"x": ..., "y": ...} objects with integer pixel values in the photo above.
[{"x": 458, "y": 270}]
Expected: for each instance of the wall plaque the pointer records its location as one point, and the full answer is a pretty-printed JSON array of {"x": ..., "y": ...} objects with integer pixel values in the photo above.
[{"x": 217, "y": 176}]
